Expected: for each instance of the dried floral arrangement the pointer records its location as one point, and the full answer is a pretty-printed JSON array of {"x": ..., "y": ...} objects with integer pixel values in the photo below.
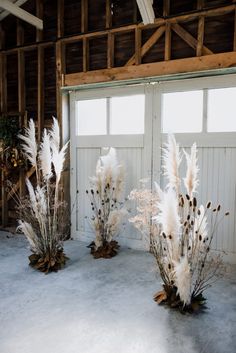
[
  {"x": 182, "y": 237},
  {"x": 43, "y": 212},
  {"x": 107, "y": 203}
]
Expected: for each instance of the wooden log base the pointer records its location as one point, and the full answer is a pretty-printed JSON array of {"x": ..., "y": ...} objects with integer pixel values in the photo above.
[
  {"x": 48, "y": 263},
  {"x": 169, "y": 296},
  {"x": 107, "y": 251}
]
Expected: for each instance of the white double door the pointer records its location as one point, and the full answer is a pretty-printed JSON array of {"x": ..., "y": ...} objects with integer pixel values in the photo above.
[{"x": 140, "y": 154}]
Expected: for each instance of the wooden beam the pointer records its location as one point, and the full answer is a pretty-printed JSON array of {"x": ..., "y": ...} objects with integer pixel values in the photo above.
[
  {"x": 166, "y": 8},
  {"x": 6, "y": 13},
  {"x": 200, "y": 36},
  {"x": 2, "y": 37},
  {"x": 21, "y": 109},
  {"x": 85, "y": 55},
  {"x": 40, "y": 91},
  {"x": 208, "y": 62},
  {"x": 84, "y": 16},
  {"x": 39, "y": 13},
  {"x": 59, "y": 71},
  {"x": 19, "y": 33},
  {"x": 110, "y": 50},
  {"x": 19, "y": 12},
  {"x": 148, "y": 44},
  {"x": 60, "y": 18},
  {"x": 235, "y": 30},
  {"x": 138, "y": 40},
  {"x": 189, "y": 39},
  {"x": 108, "y": 14}
]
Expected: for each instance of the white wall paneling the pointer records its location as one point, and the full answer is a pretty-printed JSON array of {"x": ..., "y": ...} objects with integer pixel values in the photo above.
[{"x": 141, "y": 155}]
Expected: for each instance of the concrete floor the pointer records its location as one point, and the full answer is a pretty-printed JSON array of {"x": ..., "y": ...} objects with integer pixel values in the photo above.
[{"x": 101, "y": 306}]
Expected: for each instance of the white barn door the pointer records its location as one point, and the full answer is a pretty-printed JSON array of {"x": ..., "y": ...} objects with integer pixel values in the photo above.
[{"x": 103, "y": 118}]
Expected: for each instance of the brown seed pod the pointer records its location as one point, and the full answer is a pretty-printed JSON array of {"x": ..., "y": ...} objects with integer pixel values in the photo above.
[{"x": 208, "y": 204}]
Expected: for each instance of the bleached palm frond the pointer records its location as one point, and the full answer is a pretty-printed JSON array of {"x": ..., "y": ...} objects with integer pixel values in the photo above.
[
  {"x": 55, "y": 134},
  {"x": 58, "y": 159},
  {"x": 183, "y": 280},
  {"x": 45, "y": 156},
  {"x": 30, "y": 146},
  {"x": 30, "y": 234},
  {"x": 191, "y": 179},
  {"x": 171, "y": 163}
]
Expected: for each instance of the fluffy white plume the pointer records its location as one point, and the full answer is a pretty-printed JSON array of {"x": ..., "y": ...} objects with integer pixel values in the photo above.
[
  {"x": 169, "y": 220},
  {"x": 55, "y": 134},
  {"x": 45, "y": 156},
  {"x": 41, "y": 200},
  {"x": 171, "y": 163},
  {"x": 183, "y": 280},
  {"x": 30, "y": 146},
  {"x": 158, "y": 190},
  {"x": 191, "y": 180},
  {"x": 28, "y": 231},
  {"x": 58, "y": 159},
  {"x": 115, "y": 219},
  {"x": 32, "y": 196}
]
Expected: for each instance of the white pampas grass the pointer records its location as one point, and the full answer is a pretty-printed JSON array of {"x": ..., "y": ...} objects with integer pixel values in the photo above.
[
  {"x": 27, "y": 229},
  {"x": 169, "y": 220},
  {"x": 30, "y": 146},
  {"x": 58, "y": 160},
  {"x": 171, "y": 163},
  {"x": 191, "y": 180},
  {"x": 45, "y": 156},
  {"x": 55, "y": 134},
  {"x": 42, "y": 209},
  {"x": 183, "y": 280}
]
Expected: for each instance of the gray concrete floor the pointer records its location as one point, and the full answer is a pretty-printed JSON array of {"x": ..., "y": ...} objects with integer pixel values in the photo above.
[{"x": 101, "y": 306}]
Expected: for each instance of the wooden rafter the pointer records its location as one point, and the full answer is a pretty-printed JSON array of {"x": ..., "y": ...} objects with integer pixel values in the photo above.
[
  {"x": 166, "y": 12},
  {"x": 235, "y": 30},
  {"x": 22, "y": 14},
  {"x": 189, "y": 39}
]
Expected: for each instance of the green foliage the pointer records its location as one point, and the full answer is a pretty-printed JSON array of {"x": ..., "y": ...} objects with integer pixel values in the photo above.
[{"x": 9, "y": 129}]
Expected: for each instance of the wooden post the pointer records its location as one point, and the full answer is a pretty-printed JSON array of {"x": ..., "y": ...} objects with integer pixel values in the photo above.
[
  {"x": 60, "y": 18},
  {"x": 108, "y": 14},
  {"x": 110, "y": 50},
  {"x": 2, "y": 37},
  {"x": 19, "y": 33},
  {"x": 235, "y": 29},
  {"x": 40, "y": 98},
  {"x": 3, "y": 109},
  {"x": 59, "y": 71},
  {"x": 201, "y": 25},
  {"x": 138, "y": 41},
  {"x": 85, "y": 54},
  {"x": 84, "y": 16},
  {"x": 166, "y": 12}
]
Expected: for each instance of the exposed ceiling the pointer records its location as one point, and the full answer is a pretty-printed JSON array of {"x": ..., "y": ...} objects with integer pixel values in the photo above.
[{"x": 13, "y": 7}]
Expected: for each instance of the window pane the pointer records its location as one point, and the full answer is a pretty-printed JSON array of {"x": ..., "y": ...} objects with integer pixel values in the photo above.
[
  {"x": 127, "y": 115},
  {"x": 91, "y": 117},
  {"x": 221, "y": 109},
  {"x": 182, "y": 112}
]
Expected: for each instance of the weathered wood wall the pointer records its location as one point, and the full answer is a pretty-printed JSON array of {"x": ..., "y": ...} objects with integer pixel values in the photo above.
[{"x": 87, "y": 41}]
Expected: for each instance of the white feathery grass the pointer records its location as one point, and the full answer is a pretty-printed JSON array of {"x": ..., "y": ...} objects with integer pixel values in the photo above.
[
  {"x": 183, "y": 280},
  {"x": 30, "y": 146},
  {"x": 171, "y": 163},
  {"x": 32, "y": 196},
  {"x": 30, "y": 234},
  {"x": 191, "y": 179},
  {"x": 55, "y": 134},
  {"x": 58, "y": 160},
  {"x": 45, "y": 156},
  {"x": 169, "y": 220}
]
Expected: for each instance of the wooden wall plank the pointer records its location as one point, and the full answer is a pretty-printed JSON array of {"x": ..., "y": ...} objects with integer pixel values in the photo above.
[
  {"x": 40, "y": 98},
  {"x": 84, "y": 16},
  {"x": 60, "y": 18}
]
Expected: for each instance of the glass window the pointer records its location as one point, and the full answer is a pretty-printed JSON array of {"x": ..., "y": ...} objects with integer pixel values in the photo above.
[
  {"x": 127, "y": 114},
  {"x": 182, "y": 112},
  {"x": 221, "y": 110},
  {"x": 92, "y": 117}
]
